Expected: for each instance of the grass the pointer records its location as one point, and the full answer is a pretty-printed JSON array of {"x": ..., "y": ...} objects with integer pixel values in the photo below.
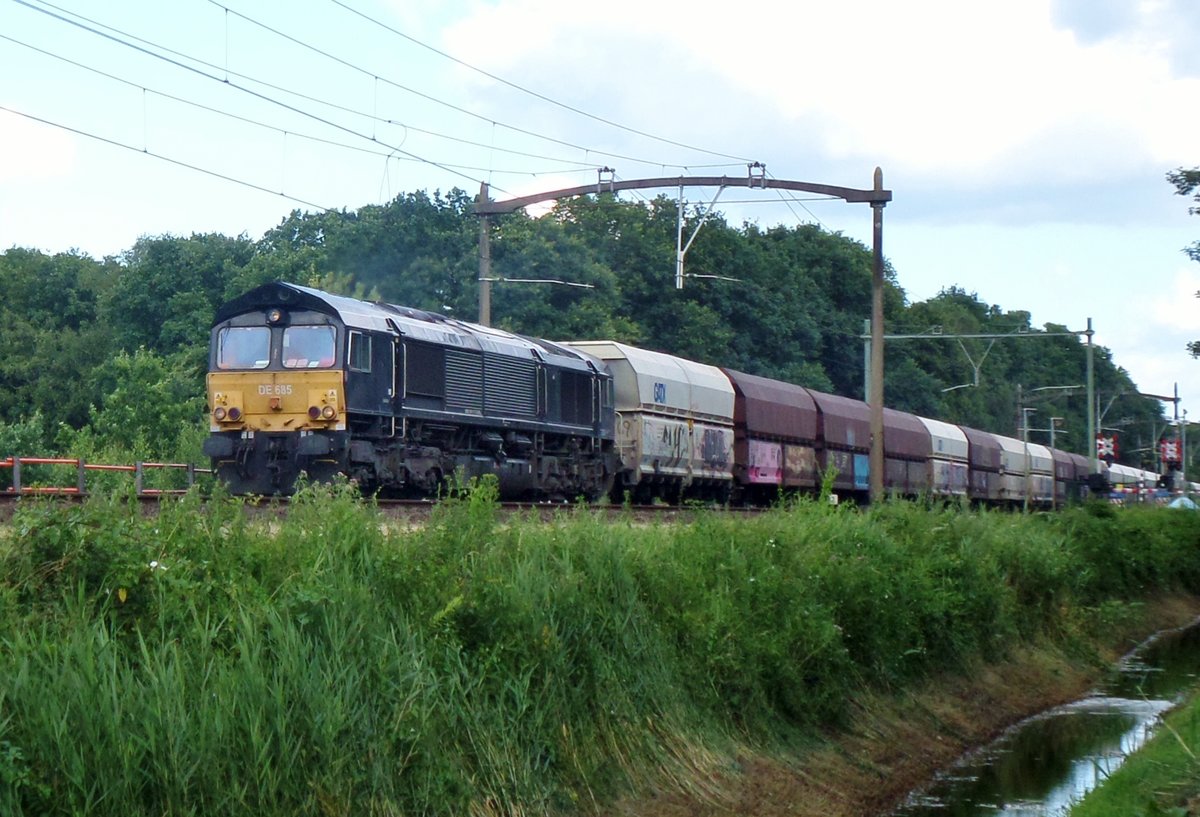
[{"x": 198, "y": 662}]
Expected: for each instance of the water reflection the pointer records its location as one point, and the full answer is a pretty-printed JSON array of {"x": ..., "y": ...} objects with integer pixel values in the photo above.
[{"x": 1044, "y": 764}]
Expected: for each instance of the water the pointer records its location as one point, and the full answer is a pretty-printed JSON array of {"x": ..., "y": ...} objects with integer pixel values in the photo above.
[{"x": 1044, "y": 764}]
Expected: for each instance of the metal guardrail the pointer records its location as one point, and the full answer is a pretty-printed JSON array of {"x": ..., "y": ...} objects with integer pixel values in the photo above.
[{"x": 138, "y": 469}]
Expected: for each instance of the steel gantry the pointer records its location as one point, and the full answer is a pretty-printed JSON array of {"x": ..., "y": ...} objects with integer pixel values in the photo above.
[{"x": 756, "y": 177}]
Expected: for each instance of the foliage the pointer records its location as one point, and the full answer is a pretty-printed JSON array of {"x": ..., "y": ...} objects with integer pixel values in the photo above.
[
  {"x": 27, "y": 436},
  {"x": 1187, "y": 183},
  {"x": 783, "y": 302}
]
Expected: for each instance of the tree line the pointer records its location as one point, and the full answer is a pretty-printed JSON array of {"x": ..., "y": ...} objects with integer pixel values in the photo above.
[{"x": 105, "y": 358}]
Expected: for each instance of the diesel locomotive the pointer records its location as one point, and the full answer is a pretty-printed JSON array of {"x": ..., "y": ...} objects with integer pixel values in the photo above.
[{"x": 398, "y": 400}]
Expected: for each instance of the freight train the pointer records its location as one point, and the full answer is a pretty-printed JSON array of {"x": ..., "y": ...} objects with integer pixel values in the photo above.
[{"x": 399, "y": 400}]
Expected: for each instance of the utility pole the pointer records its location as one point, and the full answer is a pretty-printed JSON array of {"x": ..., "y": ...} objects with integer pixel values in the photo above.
[
  {"x": 1025, "y": 444},
  {"x": 876, "y": 396},
  {"x": 1093, "y": 460},
  {"x": 485, "y": 260}
]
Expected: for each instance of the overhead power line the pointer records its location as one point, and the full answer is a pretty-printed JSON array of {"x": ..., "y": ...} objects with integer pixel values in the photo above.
[
  {"x": 169, "y": 159},
  {"x": 234, "y": 85},
  {"x": 333, "y": 105},
  {"x": 530, "y": 92},
  {"x": 287, "y": 132},
  {"x": 459, "y": 109}
]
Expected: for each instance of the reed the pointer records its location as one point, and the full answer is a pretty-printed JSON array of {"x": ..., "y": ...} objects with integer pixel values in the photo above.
[{"x": 201, "y": 662}]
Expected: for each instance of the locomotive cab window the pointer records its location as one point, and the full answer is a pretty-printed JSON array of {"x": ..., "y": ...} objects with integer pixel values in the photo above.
[
  {"x": 308, "y": 347},
  {"x": 360, "y": 352},
  {"x": 243, "y": 347}
]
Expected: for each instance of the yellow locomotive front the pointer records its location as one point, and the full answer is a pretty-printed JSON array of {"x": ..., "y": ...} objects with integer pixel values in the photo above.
[{"x": 276, "y": 400}]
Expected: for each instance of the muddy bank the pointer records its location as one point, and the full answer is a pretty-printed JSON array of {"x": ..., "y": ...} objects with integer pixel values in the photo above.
[{"x": 891, "y": 743}]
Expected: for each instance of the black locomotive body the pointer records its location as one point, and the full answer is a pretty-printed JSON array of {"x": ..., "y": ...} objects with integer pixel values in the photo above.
[{"x": 302, "y": 381}]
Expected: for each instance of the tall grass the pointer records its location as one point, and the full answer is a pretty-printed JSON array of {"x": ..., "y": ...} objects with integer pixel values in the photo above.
[{"x": 208, "y": 662}]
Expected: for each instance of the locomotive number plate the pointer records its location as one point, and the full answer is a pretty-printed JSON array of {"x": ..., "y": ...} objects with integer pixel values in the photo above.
[{"x": 275, "y": 389}]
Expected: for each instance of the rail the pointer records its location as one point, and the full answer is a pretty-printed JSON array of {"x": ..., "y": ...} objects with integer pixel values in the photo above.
[{"x": 139, "y": 469}]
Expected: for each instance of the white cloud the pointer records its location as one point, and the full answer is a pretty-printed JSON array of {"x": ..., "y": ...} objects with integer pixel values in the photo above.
[{"x": 968, "y": 92}]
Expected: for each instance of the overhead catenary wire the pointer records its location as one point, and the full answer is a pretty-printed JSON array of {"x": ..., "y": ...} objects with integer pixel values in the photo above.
[
  {"x": 580, "y": 166},
  {"x": 171, "y": 160},
  {"x": 403, "y": 155},
  {"x": 241, "y": 88},
  {"x": 530, "y": 92},
  {"x": 787, "y": 200},
  {"x": 224, "y": 73},
  {"x": 354, "y": 67}
]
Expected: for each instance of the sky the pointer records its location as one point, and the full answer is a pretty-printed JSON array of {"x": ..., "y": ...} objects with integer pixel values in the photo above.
[{"x": 1026, "y": 143}]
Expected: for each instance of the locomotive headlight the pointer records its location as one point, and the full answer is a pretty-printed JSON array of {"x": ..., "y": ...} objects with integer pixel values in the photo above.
[
  {"x": 323, "y": 405},
  {"x": 274, "y": 315},
  {"x": 226, "y": 407}
]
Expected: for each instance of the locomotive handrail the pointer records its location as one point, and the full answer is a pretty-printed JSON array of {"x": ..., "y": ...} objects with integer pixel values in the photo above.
[{"x": 138, "y": 469}]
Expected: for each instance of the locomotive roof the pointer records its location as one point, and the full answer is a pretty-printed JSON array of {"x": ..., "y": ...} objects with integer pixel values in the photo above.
[{"x": 412, "y": 323}]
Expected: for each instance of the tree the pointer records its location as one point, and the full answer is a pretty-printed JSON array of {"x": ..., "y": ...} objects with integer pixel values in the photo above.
[
  {"x": 1187, "y": 182},
  {"x": 167, "y": 289},
  {"x": 51, "y": 335}
]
